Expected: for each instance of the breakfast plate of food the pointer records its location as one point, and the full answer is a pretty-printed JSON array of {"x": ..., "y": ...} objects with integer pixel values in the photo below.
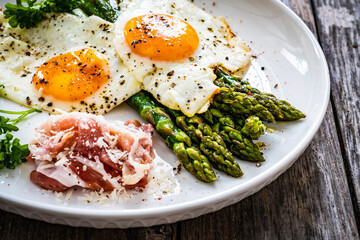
[{"x": 143, "y": 112}]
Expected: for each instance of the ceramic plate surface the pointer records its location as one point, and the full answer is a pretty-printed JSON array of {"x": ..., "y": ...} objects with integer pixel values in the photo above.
[{"x": 292, "y": 60}]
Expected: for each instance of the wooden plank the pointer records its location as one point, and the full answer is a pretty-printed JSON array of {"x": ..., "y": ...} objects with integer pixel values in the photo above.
[
  {"x": 14, "y": 227},
  {"x": 339, "y": 32},
  {"x": 310, "y": 201}
]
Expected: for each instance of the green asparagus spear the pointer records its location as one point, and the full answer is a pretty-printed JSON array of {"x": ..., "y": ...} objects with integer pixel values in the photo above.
[
  {"x": 176, "y": 139},
  {"x": 111, "y": 13},
  {"x": 157, "y": 116},
  {"x": 211, "y": 143},
  {"x": 90, "y": 8},
  {"x": 280, "y": 109},
  {"x": 241, "y": 104},
  {"x": 240, "y": 145},
  {"x": 253, "y": 128},
  {"x": 192, "y": 159}
]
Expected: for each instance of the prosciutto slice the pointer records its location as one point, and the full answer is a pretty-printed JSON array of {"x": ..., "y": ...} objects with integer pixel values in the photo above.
[{"x": 84, "y": 150}]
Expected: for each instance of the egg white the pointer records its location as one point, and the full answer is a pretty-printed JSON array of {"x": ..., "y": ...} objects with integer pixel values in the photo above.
[
  {"x": 186, "y": 84},
  {"x": 23, "y": 51}
]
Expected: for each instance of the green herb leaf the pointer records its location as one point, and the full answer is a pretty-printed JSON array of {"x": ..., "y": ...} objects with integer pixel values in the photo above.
[
  {"x": 25, "y": 16},
  {"x": 60, "y": 6},
  {"x": 28, "y": 13},
  {"x": 12, "y": 153},
  {"x": 6, "y": 126}
]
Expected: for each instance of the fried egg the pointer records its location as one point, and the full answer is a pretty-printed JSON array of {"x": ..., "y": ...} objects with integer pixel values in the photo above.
[
  {"x": 173, "y": 46},
  {"x": 64, "y": 64}
]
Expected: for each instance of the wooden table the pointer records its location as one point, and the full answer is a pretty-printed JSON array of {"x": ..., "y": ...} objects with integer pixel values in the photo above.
[{"x": 317, "y": 198}]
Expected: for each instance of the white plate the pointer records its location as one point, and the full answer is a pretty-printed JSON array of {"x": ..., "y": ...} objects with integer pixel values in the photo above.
[{"x": 292, "y": 59}]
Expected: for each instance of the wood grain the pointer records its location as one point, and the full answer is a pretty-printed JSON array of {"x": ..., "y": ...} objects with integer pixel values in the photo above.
[
  {"x": 339, "y": 33},
  {"x": 310, "y": 201},
  {"x": 14, "y": 227}
]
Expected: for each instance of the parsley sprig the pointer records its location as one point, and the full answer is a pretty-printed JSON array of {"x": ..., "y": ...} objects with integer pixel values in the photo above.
[
  {"x": 27, "y": 13},
  {"x": 12, "y": 152}
]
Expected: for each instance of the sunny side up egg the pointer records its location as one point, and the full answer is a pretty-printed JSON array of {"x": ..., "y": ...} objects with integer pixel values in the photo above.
[
  {"x": 64, "y": 64},
  {"x": 173, "y": 46}
]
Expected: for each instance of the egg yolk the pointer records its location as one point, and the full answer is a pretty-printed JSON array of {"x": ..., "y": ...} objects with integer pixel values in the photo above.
[
  {"x": 161, "y": 37},
  {"x": 72, "y": 76}
]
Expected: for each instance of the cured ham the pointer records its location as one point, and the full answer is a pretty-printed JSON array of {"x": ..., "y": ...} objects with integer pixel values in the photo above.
[{"x": 84, "y": 150}]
